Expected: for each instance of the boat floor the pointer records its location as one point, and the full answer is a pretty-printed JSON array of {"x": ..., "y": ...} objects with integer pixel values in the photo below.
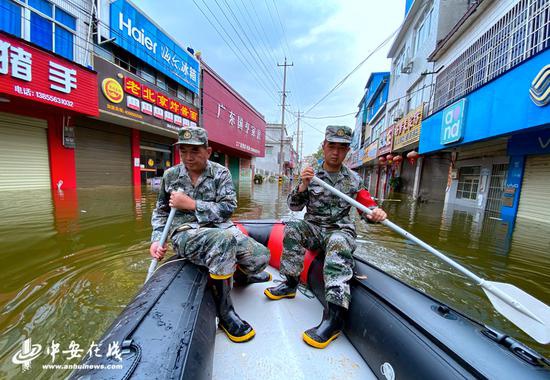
[{"x": 278, "y": 351}]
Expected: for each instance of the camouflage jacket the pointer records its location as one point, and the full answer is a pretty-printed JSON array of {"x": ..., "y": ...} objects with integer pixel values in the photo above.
[
  {"x": 324, "y": 208},
  {"x": 214, "y": 194}
]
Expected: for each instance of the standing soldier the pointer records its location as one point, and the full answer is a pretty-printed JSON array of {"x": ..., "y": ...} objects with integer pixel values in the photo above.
[
  {"x": 327, "y": 226},
  {"x": 203, "y": 194}
]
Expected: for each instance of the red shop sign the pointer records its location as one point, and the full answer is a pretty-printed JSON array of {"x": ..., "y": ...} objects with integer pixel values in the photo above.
[{"x": 28, "y": 72}]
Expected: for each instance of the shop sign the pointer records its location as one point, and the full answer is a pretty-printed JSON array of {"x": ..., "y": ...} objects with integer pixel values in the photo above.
[
  {"x": 28, "y": 72},
  {"x": 386, "y": 140},
  {"x": 134, "y": 32},
  {"x": 407, "y": 130},
  {"x": 536, "y": 142},
  {"x": 371, "y": 152},
  {"x": 127, "y": 95},
  {"x": 540, "y": 87},
  {"x": 229, "y": 119},
  {"x": 452, "y": 122}
]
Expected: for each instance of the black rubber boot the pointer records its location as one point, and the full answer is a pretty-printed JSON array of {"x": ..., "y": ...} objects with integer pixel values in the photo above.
[
  {"x": 234, "y": 327},
  {"x": 330, "y": 327},
  {"x": 243, "y": 279},
  {"x": 286, "y": 289}
]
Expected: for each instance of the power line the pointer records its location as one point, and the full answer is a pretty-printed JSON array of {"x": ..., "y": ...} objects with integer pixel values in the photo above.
[
  {"x": 354, "y": 70},
  {"x": 258, "y": 59},
  {"x": 243, "y": 61}
]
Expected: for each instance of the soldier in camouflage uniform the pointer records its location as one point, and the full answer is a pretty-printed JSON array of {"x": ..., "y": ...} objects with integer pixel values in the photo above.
[
  {"x": 327, "y": 226},
  {"x": 203, "y": 193}
]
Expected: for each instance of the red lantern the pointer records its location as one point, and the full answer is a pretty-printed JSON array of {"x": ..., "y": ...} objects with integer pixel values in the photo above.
[
  {"x": 397, "y": 159},
  {"x": 412, "y": 156},
  {"x": 389, "y": 157},
  {"x": 381, "y": 160}
]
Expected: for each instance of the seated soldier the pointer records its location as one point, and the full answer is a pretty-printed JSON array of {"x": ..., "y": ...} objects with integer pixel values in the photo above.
[
  {"x": 326, "y": 226},
  {"x": 202, "y": 191}
]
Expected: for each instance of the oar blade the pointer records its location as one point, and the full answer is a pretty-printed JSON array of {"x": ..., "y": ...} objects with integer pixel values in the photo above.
[{"x": 537, "y": 329}]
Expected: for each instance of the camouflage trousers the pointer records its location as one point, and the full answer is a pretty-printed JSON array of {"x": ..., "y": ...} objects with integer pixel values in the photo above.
[
  {"x": 338, "y": 246},
  {"x": 221, "y": 250}
]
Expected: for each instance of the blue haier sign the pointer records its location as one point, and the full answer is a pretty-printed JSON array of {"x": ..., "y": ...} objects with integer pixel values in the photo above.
[{"x": 134, "y": 32}]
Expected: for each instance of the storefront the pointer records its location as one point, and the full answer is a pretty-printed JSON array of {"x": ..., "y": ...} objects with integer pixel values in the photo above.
[
  {"x": 405, "y": 140},
  {"x": 236, "y": 130},
  {"x": 370, "y": 167},
  {"x": 131, "y": 141},
  {"x": 41, "y": 95},
  {"x": 530, "y": 154},
  {"x": 387, "y": 168},
  {"x": 497, "y": 145}
]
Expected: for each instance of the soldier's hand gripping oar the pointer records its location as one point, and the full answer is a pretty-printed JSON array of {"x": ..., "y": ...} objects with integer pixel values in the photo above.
[
  {"x": 162, "y": 241},
  {"x": 522, "y": 309}
]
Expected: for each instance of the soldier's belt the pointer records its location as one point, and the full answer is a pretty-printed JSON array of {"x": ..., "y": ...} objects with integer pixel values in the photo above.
[{"x": 185, "y": 227}]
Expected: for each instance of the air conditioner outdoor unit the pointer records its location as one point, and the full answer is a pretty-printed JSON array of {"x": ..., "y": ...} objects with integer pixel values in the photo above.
[
  {"x": 408, "y": 66},
  {"x": 398, "y": 115}
]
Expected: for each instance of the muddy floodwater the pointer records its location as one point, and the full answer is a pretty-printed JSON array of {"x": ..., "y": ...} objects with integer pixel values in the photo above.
[{"x": 70, "y": 262}]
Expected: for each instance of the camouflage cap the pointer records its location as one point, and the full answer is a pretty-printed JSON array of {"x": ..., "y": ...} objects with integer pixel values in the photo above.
[
  {"x": 192, "y": 136},
  {"x": 339, "y": 134}
]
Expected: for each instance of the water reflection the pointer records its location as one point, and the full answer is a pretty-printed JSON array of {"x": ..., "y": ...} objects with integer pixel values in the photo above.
[{"x": 72, "y": 260}]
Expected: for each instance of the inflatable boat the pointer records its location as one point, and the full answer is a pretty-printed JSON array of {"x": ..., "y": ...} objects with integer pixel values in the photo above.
[{"x": 393, "y": 331}]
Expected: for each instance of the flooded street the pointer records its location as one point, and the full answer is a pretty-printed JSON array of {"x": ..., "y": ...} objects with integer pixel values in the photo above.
[{"x": 70, "y": 263}]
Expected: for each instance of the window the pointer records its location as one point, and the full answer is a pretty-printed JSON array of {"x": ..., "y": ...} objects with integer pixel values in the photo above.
[
  {"x": 40, "y": 22},
  {"x": 423, "y": 31},
  {"x": 468, "y": 182},
  {"x": 161, "y": 81},
  {"x": 415, "y": 95},
  {"x": 147, "y": 73},
  {"x": 10, "y": 17}
]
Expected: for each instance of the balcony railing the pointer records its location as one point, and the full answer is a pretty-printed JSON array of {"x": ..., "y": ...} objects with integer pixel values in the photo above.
[{"x": 521, "y": 33}]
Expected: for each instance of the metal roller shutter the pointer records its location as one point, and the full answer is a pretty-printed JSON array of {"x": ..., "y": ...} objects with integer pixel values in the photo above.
[
  {"x": 23, "y": 153},
  {"x": 534, "y": 201},
  {"x": 102, "y": 158}
]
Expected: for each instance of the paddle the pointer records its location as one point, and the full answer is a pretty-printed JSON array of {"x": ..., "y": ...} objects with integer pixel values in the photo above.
[
  {"x": 162, "y": 241},
  {"x": 522, "y": 309}
]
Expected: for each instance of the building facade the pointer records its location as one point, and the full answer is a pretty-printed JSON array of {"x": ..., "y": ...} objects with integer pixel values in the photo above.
[
  {"x": 236, "y": 130},
  {"x": 370, "y": 121},
  {"x": 46, "y": 84},
  {"x": 269, "y": 164},
  {"x": 410, "y": 91},
  {"x": 490, "y": 110}
]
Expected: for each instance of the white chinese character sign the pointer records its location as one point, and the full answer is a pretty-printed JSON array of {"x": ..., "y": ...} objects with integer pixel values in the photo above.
[
  {"x": 33, "y": 74},
  {"x": 229, "y": 119}
]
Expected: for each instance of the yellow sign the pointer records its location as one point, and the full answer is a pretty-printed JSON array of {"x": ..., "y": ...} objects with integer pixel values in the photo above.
[
  {"x": 112, "y": 90},
  {"x": 150, "y": 162},
  {"x": 371, "y": 152},
  {"x": 407, "y": 130},
  {"x": 167, "y": 163}
]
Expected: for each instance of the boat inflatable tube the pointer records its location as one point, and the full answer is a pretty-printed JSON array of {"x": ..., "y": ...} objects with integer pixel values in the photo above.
[
  {"x": 403, "y": 333},
  {"x": 166, "y": 332}
]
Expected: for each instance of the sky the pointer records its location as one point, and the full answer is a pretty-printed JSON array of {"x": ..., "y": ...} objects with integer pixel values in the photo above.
[{"x": 245, "y": 40}]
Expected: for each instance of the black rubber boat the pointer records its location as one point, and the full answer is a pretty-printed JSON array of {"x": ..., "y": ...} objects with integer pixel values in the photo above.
[{"x": 393, "y": 331}]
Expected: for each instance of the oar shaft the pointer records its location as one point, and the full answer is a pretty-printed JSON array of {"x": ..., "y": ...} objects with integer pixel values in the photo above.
[
  {"x": 162, "y": 241},
  {"x": 401, "y": 231}
]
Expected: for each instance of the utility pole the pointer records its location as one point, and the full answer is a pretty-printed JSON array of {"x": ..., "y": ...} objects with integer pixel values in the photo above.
[
  {"x": 298, "y": 143},
  {"x": 281, "y": 154}
]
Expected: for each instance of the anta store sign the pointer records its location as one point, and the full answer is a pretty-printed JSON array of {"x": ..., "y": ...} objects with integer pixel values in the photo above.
[
  {"x": 229, "y": 119},
  {"x": 30, "y": 73},
  {"x": 127, "y": 95}
]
